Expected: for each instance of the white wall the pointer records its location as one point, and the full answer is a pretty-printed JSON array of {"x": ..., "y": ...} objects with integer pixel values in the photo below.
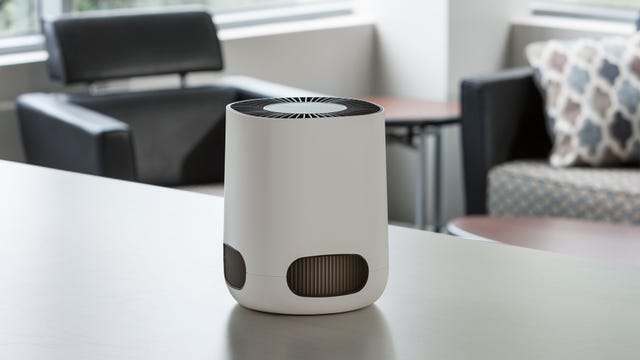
[
  {"x": 479, "y": 36},
  {"x": 411, "y": 48},
  {"x": 334, "y": 61}
]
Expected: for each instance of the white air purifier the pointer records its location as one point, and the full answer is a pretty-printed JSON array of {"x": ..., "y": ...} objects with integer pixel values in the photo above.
[{"x": 305, "y": 204}]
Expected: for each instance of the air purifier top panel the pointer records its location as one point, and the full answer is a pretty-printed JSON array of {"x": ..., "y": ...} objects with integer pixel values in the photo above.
[{"x": 305, "y": 107}]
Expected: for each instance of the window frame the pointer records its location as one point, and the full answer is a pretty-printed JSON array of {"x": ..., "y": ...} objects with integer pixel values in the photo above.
[{"x": 583, "y": 11}]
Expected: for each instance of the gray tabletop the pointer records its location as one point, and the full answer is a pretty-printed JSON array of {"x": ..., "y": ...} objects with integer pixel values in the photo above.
[{"x": 92, "y": 268}]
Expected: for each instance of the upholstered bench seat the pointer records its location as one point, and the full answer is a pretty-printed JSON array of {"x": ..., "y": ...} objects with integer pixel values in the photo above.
[{"x": 534, "y": 188}]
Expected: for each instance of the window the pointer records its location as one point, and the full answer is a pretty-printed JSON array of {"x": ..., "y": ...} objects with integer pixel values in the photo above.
[
  {"x": 20, "y": 19},
  {"x": 214, "y": 5},
  {"x": 633, "y": 4},
  {"x": 622, "y": 10}
]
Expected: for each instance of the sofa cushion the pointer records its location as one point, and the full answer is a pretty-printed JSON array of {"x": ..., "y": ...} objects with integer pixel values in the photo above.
[
  {"x": 592, "y": 97},
  {"x": 534, "y": 188}
]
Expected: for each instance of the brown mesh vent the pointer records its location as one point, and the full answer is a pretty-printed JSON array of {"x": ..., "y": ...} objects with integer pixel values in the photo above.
[
  {"x": 327, "y": 275},
  {"x": 235, "y": 270}
]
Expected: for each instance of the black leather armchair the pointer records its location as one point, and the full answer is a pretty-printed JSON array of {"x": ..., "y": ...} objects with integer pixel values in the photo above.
[
  {"x": 166, "y": 137},
  {"x": 502, "y": 120}
]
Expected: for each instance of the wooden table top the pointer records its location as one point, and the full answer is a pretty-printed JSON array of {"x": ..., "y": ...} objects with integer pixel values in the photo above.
[
  {"x": 96, "y": 268},
  {"x": 614, "y": 243},
  {"x": 407, "y": 111}
]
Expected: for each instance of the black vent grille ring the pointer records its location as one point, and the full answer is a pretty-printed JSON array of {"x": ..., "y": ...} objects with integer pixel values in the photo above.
[{"x": 350, "y": 107}]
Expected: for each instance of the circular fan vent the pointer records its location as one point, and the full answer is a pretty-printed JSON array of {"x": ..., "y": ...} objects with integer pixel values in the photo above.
[{"x": 305, "y": 107}]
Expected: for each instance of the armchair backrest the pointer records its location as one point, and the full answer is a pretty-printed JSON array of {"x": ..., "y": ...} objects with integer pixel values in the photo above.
[{"x": 89, "y": 48}]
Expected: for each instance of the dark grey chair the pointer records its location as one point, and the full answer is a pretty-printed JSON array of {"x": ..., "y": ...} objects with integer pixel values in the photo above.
[
  {"x": 166, "y": 137},
  {"x": 502, "y": 120},
  {"x": 506, "y": 148}
]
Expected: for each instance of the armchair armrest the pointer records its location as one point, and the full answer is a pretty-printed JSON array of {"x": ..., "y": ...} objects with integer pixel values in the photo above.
[
  {"x": 502, "y": 119},
  {"x": 251, "y": 88},
  {"x": 84, "y": 140}
]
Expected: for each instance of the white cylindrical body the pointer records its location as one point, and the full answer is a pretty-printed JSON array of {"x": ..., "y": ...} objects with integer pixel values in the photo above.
[{"x": 305, "y": 187}]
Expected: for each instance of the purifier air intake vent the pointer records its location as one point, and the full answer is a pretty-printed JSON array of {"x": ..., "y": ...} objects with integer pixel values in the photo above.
[
  {"x": 305, "y": 107},
  {"x": 235, "y": 270},
  {"x": 327, "y": 275}
]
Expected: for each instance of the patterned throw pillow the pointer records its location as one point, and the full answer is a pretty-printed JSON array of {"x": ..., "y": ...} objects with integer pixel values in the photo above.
[{"x": 592, "y": 98}]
